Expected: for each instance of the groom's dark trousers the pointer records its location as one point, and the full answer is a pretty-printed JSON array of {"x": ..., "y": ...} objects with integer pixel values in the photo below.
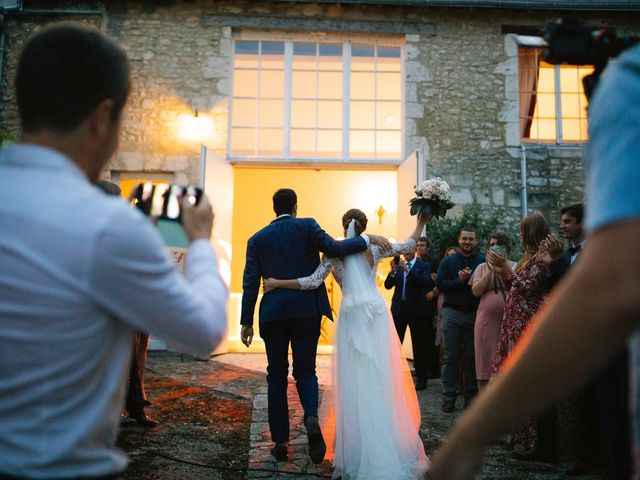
[
  {"x": 303, "y": 333},
  {"x": 288, "y": 248}
]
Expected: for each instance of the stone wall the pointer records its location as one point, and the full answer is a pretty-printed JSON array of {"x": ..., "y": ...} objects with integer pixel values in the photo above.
[{"x": 461, "y": 91}]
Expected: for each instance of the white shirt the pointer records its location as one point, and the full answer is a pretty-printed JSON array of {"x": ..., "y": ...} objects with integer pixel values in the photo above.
[
  {"x": 79, "y": 270},
  {"x": 406, "y": 273}
]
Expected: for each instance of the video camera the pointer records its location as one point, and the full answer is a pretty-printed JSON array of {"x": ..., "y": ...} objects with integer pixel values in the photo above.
[{"x": 569, "y": 41}]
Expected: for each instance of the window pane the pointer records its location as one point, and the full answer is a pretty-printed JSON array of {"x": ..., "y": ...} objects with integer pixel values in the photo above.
[
  {"x": 271, "y": 113},
  {"x": 388, "y": 86},
  {"x": 270, "y": 142},
  {"x": 244, "y": 112},
  {"x": 389, "y": 115},
  {"x": 363, "y": 85},
  {"x": 271, "y": 84},
  {"x": 546, "y": 107},
  {"x": 389, "y": 58},
  {"x": 362, "y": 115},
  {"x": 303, "y": 113},
  {"x": 330, "y": 56},
  {"x": 304, "y": 56},
  {"x": 303, "y": 143},
  {"x": 303, "y": 84},
  {"x": 388, "y": 145},
  {"x": 362, "y": 57},
  {"x": 570, "y": 106},
  {"x": 330, "y": 143},
  {"x": 272, "y": 55},
  {"x": 330, "y": 85},
  {"x": 243, "y": 141},
  {"x": 245, "y": 83},
  {"x": 571, "y": 130},
  {"x": 569, "y": 81},
  {"x": 542, "y": 129},
  {"x": 329, "y": 114},
  {"x": 362, "y": 144},
  {"x": 246, "y": 54},
  {"x": 546, "y": 80}
]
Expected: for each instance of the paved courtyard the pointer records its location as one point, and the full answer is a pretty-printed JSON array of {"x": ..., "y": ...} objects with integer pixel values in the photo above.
[{"x": 213, "y": 418}]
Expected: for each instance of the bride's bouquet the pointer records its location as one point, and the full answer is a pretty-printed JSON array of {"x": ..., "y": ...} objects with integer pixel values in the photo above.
[{"x": 432, "y": 196}]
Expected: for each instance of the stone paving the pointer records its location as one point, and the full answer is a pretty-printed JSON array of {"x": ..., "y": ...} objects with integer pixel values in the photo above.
[{"x": 214, "y": 426}]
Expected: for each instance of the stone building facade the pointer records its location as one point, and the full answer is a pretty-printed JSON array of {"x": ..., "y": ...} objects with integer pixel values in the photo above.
[{"x": 461, "y": 103}]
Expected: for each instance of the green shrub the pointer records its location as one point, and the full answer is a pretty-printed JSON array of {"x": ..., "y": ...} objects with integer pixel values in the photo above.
[
  {"x": 443, "y": 232},
  {"x": 6, "y": 137}
]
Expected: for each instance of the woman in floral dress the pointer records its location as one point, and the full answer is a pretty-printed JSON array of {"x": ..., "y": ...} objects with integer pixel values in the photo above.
[{"x": 528, "y": 287}]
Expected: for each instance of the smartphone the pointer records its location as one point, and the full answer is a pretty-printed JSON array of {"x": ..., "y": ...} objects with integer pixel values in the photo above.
[
  {"x": 396, "y": 259},
  {"x": 163, "y": 200}
]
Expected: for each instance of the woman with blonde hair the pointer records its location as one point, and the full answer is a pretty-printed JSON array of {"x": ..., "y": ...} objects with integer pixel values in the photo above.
[{"x": 528, "y": 284}]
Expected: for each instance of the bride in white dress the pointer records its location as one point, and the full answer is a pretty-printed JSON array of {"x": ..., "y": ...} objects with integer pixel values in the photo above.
[{"x": 377, "y": 416}]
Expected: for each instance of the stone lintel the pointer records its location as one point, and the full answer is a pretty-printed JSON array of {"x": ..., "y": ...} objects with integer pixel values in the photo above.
[{"x": 259, "y": 22}]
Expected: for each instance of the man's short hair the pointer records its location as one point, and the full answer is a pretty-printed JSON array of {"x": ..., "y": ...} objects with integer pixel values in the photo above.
[
  {"x": 64, "y": 72},
  {"x": 109, "y": 188},
  {"x": 467, "y": 228},
  {"x": 575, "y": 210},
  {"x": 284, "y": 200},
  {"x": 425, "y": 240}
]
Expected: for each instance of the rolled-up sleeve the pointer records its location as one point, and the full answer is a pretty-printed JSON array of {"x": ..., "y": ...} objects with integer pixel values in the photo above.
[{"x": 134, "y": 279}]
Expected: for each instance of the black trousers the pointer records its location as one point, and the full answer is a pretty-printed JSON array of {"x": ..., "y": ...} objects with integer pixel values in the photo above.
[
  {"x": 302, "y": 334},
  {"x": 134, "y": 402},
  {"x": 422, "y": 339}
]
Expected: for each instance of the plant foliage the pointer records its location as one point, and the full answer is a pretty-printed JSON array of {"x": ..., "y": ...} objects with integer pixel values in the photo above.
[{"x": 443, "y": 232}]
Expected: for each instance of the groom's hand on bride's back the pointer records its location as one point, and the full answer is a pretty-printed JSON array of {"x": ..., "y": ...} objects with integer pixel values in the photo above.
[{"x": 379, "y": 240}]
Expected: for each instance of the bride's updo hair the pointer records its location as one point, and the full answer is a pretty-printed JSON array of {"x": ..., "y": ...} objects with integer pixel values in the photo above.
[{"x": 358, "y": 216}]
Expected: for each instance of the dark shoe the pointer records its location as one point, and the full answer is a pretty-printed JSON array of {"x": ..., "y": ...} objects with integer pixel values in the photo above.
[
  {"x": 421, "y": 383},
  {"x": 448, "y": 406},
  {"x": 127, "y": 422},
  {"x": 535, "y": 455},
  {"x": 317, "y": 447},
  {"x": 143, "y": 421},
  {"x": 279, "y": 452}
]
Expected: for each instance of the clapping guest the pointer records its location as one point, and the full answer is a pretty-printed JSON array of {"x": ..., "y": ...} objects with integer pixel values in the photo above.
[
  {"x": 529, "y": 283},
  {"x": 492, "y": 290}
]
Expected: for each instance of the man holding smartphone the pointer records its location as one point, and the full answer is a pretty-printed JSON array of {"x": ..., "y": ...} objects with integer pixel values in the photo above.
[{"x": 81, "y": 270}]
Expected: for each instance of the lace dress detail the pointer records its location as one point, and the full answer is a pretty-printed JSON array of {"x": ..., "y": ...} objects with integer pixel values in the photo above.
[{"x": 335, "y": 265}]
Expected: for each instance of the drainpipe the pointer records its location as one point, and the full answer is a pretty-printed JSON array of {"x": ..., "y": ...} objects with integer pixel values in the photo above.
[{"x": 523, "y": 180}]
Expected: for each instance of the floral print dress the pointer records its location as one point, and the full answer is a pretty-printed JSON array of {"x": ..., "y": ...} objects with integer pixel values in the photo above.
[{"x": 528, "y": 289}]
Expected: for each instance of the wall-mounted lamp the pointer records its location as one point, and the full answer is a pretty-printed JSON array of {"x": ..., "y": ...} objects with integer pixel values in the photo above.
[{"x": 194, "y": 127}]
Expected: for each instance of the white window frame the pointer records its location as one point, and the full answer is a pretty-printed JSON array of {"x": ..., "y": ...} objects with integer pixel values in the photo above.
[
  {"x": 522, "y": 42},
  {"x": 311, "y": 37}
]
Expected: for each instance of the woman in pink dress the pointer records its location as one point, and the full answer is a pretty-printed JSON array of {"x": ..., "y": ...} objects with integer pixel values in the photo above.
[
  {"x": 492, "y": 290},
  {"x": 528, "y": 286}
]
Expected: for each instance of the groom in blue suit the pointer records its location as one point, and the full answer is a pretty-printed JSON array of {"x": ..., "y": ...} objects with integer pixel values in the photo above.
[{"x": 288, "y": 248}]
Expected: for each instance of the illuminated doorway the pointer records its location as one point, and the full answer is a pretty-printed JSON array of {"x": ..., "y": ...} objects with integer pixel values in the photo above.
[{"x": 324, "y": 194}]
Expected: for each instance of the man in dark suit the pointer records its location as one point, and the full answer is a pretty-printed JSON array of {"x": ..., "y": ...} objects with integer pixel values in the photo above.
[
  {"x": 412, "y": 280},
  {"x": 288, "y": 248}
]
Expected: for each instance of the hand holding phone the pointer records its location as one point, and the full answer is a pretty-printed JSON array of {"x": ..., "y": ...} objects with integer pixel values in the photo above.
[{"x": 197, "y": 219}]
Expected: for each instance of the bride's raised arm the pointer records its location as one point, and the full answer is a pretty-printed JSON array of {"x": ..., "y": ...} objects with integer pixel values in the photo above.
[
  {"x": 311, "y": 282},
  {"x": 408, "y": 245}
]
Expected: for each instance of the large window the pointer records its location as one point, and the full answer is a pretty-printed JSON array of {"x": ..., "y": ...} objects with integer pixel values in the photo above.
[
  {"x": 301, "y": 100},
  {"x": 552, "y": 100}
]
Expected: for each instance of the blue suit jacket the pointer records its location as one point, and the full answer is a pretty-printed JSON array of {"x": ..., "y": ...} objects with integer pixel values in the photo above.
[
  {"x": 418, "y": 284},
  {"x": 288, "y": 248}
]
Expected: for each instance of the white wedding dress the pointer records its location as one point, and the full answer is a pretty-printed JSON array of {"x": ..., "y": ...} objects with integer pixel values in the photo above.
[{"x": 376, "y": 411}]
